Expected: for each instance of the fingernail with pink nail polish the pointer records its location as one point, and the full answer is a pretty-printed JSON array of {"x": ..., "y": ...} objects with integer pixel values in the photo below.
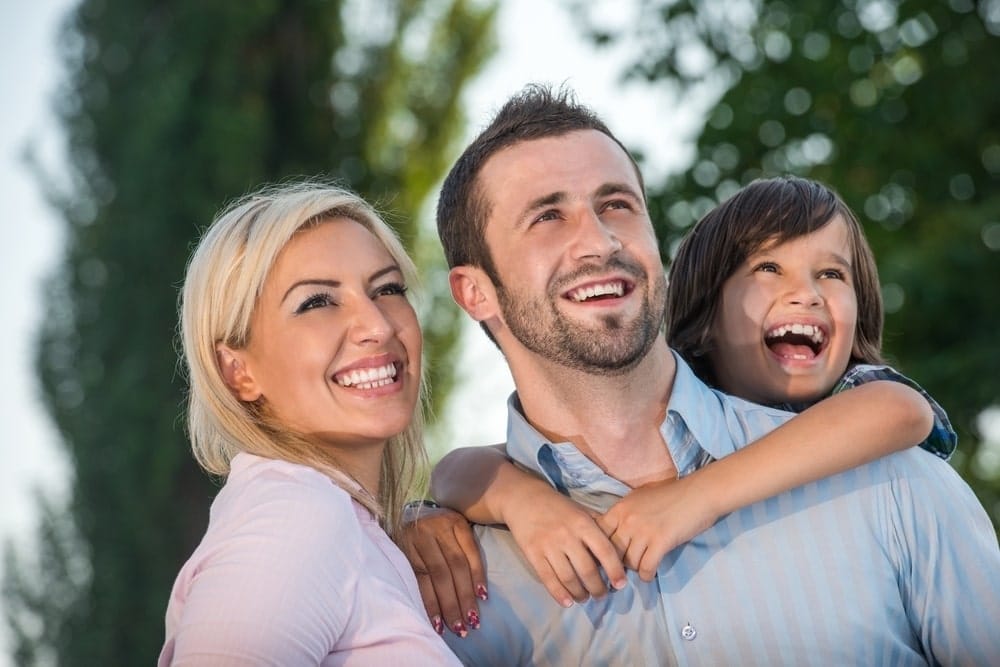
[
  {"x": 473, "y": 617},
  {"x": 481, "y": 592},
  {"x": 438, "y": 625},
  {"x": 459, "y": 629}
]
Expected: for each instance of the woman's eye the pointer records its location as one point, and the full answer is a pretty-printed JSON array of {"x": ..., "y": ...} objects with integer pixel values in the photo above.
[
  {"x": 315, "y": 301},
  {"x": 391, "y": 289},
  {"x": 835, "y": 274}
]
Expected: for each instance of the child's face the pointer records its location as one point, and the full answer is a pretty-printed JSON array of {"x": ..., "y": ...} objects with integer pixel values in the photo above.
[{"x": 786, "y": 323}]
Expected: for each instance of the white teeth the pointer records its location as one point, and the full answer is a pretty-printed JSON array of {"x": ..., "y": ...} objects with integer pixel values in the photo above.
[
  {"x": 815, "y": 333},
  {"x": 616, "y": 288},
  {"x": 368, "y": 378}
]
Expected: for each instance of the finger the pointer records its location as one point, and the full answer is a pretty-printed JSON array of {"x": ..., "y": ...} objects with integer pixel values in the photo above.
[
  {"x": 606, "y": 553},
  {"x": 461, "y": 580},
  {"x": 439, "y": 573},
  {"x": 608, "y": 523},
  {"x": 466, "y": 539},
  {"x": 586, "y": 571},
  {"x": 633, "y": 556},
  {"x": 424, "y": 585},
  {"x": 649, "y": 563},
  {"x": 547, "y": 575},
  {"x": 565, "y": 571}
]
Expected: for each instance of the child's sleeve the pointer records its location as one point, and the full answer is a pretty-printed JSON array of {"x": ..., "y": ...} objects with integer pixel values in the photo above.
[{"x": 942, "y": 439}]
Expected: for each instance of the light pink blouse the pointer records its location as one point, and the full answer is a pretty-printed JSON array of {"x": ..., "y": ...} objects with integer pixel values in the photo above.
[{"x": 293, "y": 572}]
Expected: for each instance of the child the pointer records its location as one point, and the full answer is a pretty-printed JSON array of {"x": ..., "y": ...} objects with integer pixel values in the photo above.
[{"x": 773, "y": 297}]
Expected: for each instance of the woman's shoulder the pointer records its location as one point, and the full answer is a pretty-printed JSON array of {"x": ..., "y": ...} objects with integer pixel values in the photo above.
[
  {"x": 282, "y": 478},
  {"x": 284, "y": 501}
]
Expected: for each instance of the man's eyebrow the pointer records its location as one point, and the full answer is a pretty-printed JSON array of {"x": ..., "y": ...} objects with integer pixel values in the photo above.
[
  {"x": 617, "y": 189},
  {"x": 541, "y": 202}
]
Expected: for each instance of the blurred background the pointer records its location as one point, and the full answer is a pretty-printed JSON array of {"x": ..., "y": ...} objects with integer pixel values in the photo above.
[{"x": 127, "y": 124}]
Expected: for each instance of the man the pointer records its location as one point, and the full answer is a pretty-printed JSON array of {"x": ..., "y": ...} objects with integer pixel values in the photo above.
[{"x": 544, "y": 223}]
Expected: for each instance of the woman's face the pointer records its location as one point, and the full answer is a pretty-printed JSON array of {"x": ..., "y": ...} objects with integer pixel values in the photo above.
[{"x": 335, "y": 345}]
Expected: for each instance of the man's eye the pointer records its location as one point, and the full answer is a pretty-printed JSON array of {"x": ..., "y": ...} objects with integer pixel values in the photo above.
[
  {"x": 618, "y": 204},
  {"x": 314, "y": 301},
  {"x": 547, "y": 216}
]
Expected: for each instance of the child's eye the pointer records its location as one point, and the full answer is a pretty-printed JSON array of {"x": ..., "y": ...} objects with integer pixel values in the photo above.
[
  {"x": 391, "y": 289},
  {"x": 766, "y": 267},
  {"x": 319, "y": 300},
  {"x": 834, "y": 274}
]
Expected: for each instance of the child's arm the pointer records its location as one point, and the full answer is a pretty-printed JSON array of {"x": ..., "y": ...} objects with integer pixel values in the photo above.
[
  {"x": 942, "y": 440},
  {"x": 834, "y": 435},
  {"x": 558, "y": 537}
]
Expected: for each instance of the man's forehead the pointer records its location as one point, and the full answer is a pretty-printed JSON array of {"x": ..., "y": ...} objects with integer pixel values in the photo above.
[{"x": 535, "y": 161}]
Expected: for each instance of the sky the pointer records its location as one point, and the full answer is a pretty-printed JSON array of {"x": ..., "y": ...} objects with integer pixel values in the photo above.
[{"x": 537, "y": 43}]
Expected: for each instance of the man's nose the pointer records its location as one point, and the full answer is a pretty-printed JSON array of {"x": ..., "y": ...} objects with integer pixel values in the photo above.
[{"x": 594, "y": 238}]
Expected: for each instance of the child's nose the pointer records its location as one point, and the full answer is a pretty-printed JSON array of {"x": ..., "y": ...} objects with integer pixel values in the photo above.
[{"x": 804, "y": 293}]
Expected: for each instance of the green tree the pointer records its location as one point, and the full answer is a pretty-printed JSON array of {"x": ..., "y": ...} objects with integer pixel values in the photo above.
[
  {"x": 170, "y": 109},
  {"x": 892, "y": 102}
]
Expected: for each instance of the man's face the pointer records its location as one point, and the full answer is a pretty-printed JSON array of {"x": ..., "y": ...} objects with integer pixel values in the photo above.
[{"x": 581, "y": 281}]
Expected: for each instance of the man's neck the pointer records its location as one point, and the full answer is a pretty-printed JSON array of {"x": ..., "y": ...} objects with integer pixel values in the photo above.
[{"x": 613, "y": 419}]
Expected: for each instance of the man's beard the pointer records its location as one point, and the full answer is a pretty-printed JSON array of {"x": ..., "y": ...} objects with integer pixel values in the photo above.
[{"x": 613, "y": 348}]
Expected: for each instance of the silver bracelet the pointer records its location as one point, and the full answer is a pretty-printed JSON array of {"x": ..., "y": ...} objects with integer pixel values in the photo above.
[{"x": 422, "y": 502}]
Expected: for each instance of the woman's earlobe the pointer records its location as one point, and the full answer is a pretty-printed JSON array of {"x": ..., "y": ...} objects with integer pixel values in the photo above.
[{"x": 235, "y": 373}]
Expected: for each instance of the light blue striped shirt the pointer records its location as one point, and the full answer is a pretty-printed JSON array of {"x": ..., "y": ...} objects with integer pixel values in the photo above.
[{"x": 892, "y": 563}]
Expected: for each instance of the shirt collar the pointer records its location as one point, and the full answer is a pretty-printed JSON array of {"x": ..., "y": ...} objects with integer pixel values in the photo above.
[{"x": 695, "y": 425}]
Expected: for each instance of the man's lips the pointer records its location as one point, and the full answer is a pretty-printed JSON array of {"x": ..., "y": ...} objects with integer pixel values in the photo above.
[{"x": 607, "y": 289}]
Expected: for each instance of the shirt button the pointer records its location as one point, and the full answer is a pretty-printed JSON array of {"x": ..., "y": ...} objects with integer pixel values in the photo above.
[{"x": 688, "y": 632}]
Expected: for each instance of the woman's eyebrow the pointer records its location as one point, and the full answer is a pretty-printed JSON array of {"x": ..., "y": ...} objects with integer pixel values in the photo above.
[{"x": 309, "y": 281}]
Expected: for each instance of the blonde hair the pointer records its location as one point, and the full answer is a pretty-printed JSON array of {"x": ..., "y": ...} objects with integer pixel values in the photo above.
[{"x": 225, "y": 278}]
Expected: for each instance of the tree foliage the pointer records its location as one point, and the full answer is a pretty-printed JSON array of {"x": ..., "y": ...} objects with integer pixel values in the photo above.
[
  {"x": 170, "y": 109},
  {"x": 895, "y": 104}
]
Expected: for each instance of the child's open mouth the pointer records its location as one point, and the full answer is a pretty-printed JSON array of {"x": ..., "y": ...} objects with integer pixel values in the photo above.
[{"x": 796, "y": 341}]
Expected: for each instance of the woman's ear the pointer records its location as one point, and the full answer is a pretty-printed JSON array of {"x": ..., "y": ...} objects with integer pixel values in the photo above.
[
  {"x": 474, "y": 292},
  {"x": 234, "y": 371}
]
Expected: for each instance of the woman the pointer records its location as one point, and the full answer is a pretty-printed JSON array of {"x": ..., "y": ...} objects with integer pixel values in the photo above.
[{"x": 304, "y": 360}]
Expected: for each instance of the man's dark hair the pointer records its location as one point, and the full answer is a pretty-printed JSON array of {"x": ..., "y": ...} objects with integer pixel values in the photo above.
[
  {"x": 765, "y": 212},
  {"x": 535, "y": 112}
]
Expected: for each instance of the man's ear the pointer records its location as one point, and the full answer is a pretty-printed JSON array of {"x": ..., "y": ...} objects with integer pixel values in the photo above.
[
  {"x": 474, "y": 292},
  {"x": 236, "y": 374}
]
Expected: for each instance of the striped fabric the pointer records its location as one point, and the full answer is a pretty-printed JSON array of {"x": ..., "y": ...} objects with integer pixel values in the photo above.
[{"x": 893, "y": 563}]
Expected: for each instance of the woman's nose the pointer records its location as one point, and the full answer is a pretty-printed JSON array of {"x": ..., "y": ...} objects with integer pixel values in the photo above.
[{"x": 370, "y": 324}]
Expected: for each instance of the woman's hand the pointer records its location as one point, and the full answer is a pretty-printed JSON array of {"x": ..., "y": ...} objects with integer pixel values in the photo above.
[{"x": 445, "y": 557}]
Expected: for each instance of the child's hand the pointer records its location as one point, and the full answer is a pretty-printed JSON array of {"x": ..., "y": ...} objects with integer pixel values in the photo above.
[
  {"x": 653, "y": 519},
  {"x": 564, "y": 545},
  {"x": 442, "y": 549}
]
